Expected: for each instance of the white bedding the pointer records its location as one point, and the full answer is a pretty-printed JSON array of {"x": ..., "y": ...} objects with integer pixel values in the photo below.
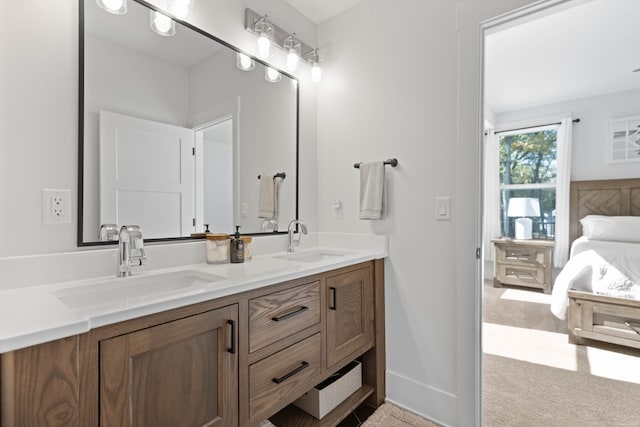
[{"x": 602, "y": 267}]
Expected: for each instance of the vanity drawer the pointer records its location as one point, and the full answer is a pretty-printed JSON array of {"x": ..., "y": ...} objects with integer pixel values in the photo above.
[
  {"x": 280, "y": 314},
  {"x": 284, "y": 375}
]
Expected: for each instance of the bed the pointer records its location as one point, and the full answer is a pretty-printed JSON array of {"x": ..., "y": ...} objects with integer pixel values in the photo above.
[{"x": 598, "y": 291}]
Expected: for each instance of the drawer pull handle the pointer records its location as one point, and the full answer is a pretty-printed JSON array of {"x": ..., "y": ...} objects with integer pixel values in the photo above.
[
  {"x": 290, "y": 314},
  {"x": 634, "y": 327},
  {"x": 232, "y": 349},
  {"x": 333, "y": 298},
  {"x": 292, "y": 373}
]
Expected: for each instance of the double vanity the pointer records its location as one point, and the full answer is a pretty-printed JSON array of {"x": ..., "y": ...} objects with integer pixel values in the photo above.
[{"x": 197, "y": 344}]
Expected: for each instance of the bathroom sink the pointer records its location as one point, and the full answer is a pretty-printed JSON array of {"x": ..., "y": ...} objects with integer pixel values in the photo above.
[
  {"x": 312, "y": 256},
  {"x": 129, "y": 291}
]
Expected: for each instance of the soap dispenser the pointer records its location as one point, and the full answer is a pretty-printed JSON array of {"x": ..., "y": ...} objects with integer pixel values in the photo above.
[{"x": 237, "y": 247}]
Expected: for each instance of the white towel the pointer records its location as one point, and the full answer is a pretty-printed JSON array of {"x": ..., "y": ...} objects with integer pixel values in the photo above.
[
  {"x": 371, "y": 190},
  {"x": 267, "y": 197}
]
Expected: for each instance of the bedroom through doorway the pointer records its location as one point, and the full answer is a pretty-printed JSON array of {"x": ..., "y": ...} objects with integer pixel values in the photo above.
[{"x": 534, "y": 66}]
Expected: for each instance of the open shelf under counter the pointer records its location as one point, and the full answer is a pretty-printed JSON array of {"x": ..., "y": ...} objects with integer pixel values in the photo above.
[{"x": 292, "y": 416}]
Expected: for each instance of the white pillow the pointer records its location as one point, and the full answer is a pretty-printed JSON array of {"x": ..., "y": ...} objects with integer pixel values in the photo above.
[{"x": 617, "y": 228}]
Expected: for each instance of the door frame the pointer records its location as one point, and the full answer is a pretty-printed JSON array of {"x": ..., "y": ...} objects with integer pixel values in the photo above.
[{"x": 512, "y": 18}]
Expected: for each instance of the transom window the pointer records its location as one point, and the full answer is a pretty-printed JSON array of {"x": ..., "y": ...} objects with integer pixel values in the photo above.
[{"x": 528, "y": 169}]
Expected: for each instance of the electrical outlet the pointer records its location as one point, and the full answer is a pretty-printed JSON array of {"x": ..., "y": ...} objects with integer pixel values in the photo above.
[{"x": 56, "y": 206}]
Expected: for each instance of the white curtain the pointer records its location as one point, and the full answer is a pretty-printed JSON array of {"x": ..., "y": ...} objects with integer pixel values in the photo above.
[
  {"x": 563, "y": 184},
  {"x": 491, "y": 196}
]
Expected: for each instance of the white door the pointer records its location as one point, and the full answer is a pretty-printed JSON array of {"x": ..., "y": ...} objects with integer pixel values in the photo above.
[{"x": 146, "y": 175}]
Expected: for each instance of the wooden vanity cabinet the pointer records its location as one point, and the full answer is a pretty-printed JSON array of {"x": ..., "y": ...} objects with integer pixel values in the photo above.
[
  {"x": 40, "y": 385},
  {"x": 180, "y": 373},
  {"x": 350, "y": 319},
  {"x": 232, "y": 361},
  {"x": 353, "y": 328}
]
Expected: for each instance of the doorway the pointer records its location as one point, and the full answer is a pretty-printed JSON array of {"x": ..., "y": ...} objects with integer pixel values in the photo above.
[
  {"x": 215, "y": 199},
  {"x": 527, "y": 360}
]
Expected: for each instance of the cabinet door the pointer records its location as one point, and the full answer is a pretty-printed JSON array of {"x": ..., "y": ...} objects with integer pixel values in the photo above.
[
  {"x": 181, "y": 373},
  {"x": 349, "y": 314}
]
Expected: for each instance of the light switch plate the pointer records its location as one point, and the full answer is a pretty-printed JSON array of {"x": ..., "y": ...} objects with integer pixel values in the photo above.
[{"x": 443, "y": 208}]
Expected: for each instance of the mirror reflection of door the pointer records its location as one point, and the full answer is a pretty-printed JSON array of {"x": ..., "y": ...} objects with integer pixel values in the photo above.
[
  {"x": 146, "y": 175},
  {"x": 214, "y": 148}
]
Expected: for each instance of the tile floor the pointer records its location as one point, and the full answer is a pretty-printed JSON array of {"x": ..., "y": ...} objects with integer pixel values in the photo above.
[{"x": 357, "y": 417}]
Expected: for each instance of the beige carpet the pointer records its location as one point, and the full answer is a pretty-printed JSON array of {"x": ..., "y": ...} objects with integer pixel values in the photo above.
[
  {"x": 388, "y": 415},
  {"x": 534, "y": 377}
]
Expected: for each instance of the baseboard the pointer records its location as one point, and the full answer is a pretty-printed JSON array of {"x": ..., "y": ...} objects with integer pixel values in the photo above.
[{"x": 423, "y": 400}]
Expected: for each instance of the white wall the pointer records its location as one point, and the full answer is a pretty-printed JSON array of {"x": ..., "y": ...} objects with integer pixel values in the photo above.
[
  {"x": 589, "y": 155},
  {"x": 38, "y": 121},
  {"x": 402, "y": 80},
  {"x": 39, "y": 110}
]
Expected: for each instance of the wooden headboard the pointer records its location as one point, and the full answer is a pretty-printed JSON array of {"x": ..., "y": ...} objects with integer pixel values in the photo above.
[{"x": 613, "y": 197}]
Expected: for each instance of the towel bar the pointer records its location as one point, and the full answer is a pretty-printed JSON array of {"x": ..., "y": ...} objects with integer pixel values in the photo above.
[
  {"x": 278, "y": 175},
  {"x": 393, "y": 162}
]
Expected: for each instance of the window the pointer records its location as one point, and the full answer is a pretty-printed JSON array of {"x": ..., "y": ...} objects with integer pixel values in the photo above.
[
  {"x": 624, "y": 139},
  {"x": 528, "y": 169}
]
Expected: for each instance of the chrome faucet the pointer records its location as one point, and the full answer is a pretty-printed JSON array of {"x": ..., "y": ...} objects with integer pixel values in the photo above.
[
  {"x": 269, "y": 222},
  {"x": 108, "y": 232},
  {"x": 130, "y": 249},
  {"x": 292, "y": 226}
]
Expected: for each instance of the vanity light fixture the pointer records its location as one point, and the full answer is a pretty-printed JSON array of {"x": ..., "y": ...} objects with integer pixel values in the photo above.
[
  {"x": 118, "y": 7},
  {"x": 316, "y": 71},
  {"x": 272, "y": 75},
  {"x": 270, "y": 34},
  {"x": 292, "y": 48},
  {"x": 245, "y": 62},
  {"x": 162, "y": 24}
]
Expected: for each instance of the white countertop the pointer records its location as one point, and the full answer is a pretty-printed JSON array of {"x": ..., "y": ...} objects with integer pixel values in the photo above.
[{"x": 32, "y": 315}]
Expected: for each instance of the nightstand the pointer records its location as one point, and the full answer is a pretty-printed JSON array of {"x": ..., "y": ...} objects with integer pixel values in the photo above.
[{"x": 523, "y": 263}]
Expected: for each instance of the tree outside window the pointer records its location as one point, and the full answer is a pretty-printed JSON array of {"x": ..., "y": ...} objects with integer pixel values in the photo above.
[{"x": 528, "y": 169}]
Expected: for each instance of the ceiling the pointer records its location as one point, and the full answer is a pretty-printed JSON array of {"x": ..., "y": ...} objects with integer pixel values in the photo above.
[
  {"x": 585, "y": 50},
  {"x": 319, "y": 11}
]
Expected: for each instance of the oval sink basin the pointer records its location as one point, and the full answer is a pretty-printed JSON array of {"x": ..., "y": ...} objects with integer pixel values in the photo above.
[
  {"x": 312, "y": 256},
  {"x": 135, "y": 290}
]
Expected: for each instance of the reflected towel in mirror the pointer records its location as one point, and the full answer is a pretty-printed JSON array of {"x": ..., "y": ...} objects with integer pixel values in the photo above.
[{"x": 267, "y": 197}]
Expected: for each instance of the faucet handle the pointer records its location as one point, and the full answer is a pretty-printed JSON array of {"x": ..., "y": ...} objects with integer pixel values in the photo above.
[
  {"x": 137, "y": 243},
  {"x": 138, "y": 255},
  {"x": 108, "y": 232}
]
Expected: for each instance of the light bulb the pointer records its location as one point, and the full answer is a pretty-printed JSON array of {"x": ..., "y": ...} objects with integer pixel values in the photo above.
[
  {"x": 316, "y": 73},
  {"x": 162, "y": 24},
  {"x": 180, "y": 8},
  {"x": 113, "y": 6},
  {"x": 244, "y": 62},
  {"x": 264, "y": 46},
  {"x": 272, "y": 75},
  {"x": 292, "y": 60},
  {"x": 292, "y": 47}
]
